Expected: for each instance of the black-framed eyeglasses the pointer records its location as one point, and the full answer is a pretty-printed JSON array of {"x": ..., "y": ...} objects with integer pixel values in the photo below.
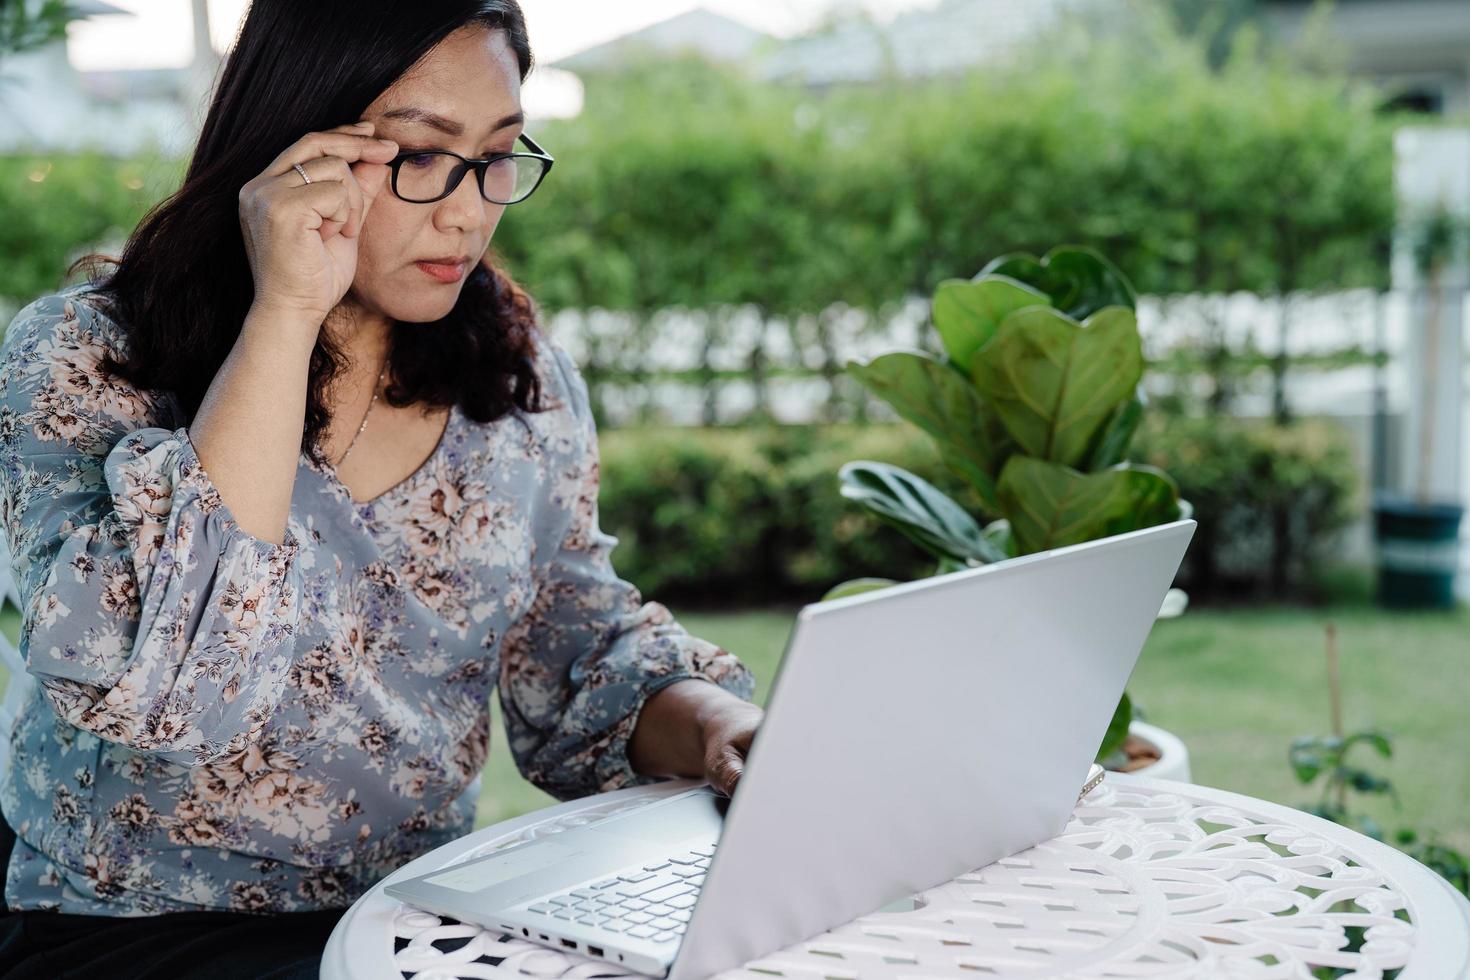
[{"x": 426, "y": 176}]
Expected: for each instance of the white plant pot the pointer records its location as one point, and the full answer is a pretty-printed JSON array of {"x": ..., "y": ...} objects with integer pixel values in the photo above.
[{"x": 1173, "y": 756}]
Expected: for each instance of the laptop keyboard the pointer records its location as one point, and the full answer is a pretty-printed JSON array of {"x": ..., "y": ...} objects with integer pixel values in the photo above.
[{"x": 651, "y": 902}]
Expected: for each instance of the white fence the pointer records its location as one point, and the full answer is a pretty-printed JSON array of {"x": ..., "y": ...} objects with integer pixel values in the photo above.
[{"x": 1348, "y": 355}]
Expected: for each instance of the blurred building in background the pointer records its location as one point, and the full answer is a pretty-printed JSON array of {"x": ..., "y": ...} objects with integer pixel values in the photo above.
[
  {"x": 704, "y": 32},
  {"x": 954, "y": 36},
  {"x": 46, "y": 104},
  {"x": 1417, "y": 51}
]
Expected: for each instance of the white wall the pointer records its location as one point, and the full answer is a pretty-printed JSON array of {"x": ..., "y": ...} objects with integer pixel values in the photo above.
[{"x": 43, "y": 108}]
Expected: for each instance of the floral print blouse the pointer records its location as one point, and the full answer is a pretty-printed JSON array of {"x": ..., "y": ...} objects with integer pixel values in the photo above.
[{"x": 224, "y": 722}]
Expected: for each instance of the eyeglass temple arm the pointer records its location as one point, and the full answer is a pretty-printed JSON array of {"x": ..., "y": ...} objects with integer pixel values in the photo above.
[{"x": 535, "y": 147}]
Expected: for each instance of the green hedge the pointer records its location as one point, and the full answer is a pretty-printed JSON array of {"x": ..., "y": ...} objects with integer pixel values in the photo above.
[
  {"x": 753, "y": 515},
  {"x": 1270, "y": 499},
  {"x": 53, "y": 208},
  {"x": 683, "y": 183}
]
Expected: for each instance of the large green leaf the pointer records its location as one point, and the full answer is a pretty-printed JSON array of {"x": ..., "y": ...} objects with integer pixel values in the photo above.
[
  {"x": 917, "y": 508},
  {"x": 857, "y": 586},
  {"x": 968, "y": 469},
  {"x": 1380, "y": 741},
  {"x": 947, "y": 565},
  {"x": 1112, "y": 439},
  {"x": 940, "y": 400},
  {"x": 968, "y": 312},
  {"x": 1050, "y": 505},
  {"x": 1079, "y": 280},
  {"x": 998, "y": 533},
  {"x": 1309, "y": 755},
  {"x": 1055, "y": 382}
]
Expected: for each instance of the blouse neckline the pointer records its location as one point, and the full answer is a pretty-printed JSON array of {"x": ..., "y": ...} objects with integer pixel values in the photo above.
[{"x": 329, "y": 470}]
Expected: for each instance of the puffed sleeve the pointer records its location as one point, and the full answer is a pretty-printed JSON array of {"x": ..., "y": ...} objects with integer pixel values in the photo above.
[
  {"x": 150, "y": 618},
  {"x": 579, "y": 664}
]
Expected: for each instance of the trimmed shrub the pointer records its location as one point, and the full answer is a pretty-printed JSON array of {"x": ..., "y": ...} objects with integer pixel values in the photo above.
[
  {"x": 753, "y": 515},
  {"x": 1270, "y": 500}
]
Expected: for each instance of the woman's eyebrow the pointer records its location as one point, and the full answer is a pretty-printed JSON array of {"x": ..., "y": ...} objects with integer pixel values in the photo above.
[{"x": 444, "y": 125}]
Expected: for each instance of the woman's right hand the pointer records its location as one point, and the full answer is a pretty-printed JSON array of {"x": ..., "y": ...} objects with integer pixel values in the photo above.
[{"x": 301, "y": 239}]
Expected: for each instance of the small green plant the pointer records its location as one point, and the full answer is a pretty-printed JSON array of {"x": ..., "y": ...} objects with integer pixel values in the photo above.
[
  {"x": 1332, "y": 762},
  {"x": 1034, "y": 404}
]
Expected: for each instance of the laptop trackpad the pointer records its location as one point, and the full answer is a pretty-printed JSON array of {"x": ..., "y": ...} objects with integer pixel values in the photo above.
[
  {"x": 475, "y": 876},
  {"x": 701, "y": 814}
]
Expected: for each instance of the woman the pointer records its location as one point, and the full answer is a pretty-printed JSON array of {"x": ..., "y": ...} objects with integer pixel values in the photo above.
[{"x": 285, "y": 501}]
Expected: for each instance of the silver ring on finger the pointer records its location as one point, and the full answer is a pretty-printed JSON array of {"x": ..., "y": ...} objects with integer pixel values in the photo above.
[{"x": 302, "y": 171}]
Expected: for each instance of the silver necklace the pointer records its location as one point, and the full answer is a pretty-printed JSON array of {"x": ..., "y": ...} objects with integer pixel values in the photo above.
[{"x": 376, "y": 389}]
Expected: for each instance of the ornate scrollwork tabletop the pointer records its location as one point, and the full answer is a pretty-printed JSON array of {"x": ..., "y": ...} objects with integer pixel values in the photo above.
[{"x": 1150, "y": 879}]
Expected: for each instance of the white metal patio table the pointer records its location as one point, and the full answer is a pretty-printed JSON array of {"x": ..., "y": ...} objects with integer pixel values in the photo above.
[{"x": 1151, "y": 878}]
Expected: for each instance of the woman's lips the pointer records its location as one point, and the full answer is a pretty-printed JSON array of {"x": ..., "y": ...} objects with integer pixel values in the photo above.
[{"x": 443, "y": 273}]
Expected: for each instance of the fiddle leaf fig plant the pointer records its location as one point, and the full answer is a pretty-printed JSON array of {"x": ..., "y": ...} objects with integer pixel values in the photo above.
[
  {"x": 918, "y": 510},
  {"x": 1079, "y": 281},
  {"x": 1054, "y": 383},
  {"x": 1033, "y": 403},
  {"x": 945, "y": 404}
]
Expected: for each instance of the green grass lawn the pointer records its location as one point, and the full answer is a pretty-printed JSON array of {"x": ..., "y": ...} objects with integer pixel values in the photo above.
[{"x": 1237, "y": 687}]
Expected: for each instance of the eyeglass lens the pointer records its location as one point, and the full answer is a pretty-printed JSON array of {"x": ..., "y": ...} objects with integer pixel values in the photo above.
[{"x": 425, "y": 176}]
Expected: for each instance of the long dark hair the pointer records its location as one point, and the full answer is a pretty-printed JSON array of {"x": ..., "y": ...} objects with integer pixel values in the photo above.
[{"x": 183, "y": 286}]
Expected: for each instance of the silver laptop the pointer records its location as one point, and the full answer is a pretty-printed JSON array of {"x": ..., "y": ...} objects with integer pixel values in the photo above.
[{"x": 912, "y": 734}]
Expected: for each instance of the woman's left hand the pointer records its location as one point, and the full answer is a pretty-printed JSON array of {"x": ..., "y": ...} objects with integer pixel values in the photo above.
[
  {"x": 693, "y": 728},
  {"x": 728, "y": 731}
]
